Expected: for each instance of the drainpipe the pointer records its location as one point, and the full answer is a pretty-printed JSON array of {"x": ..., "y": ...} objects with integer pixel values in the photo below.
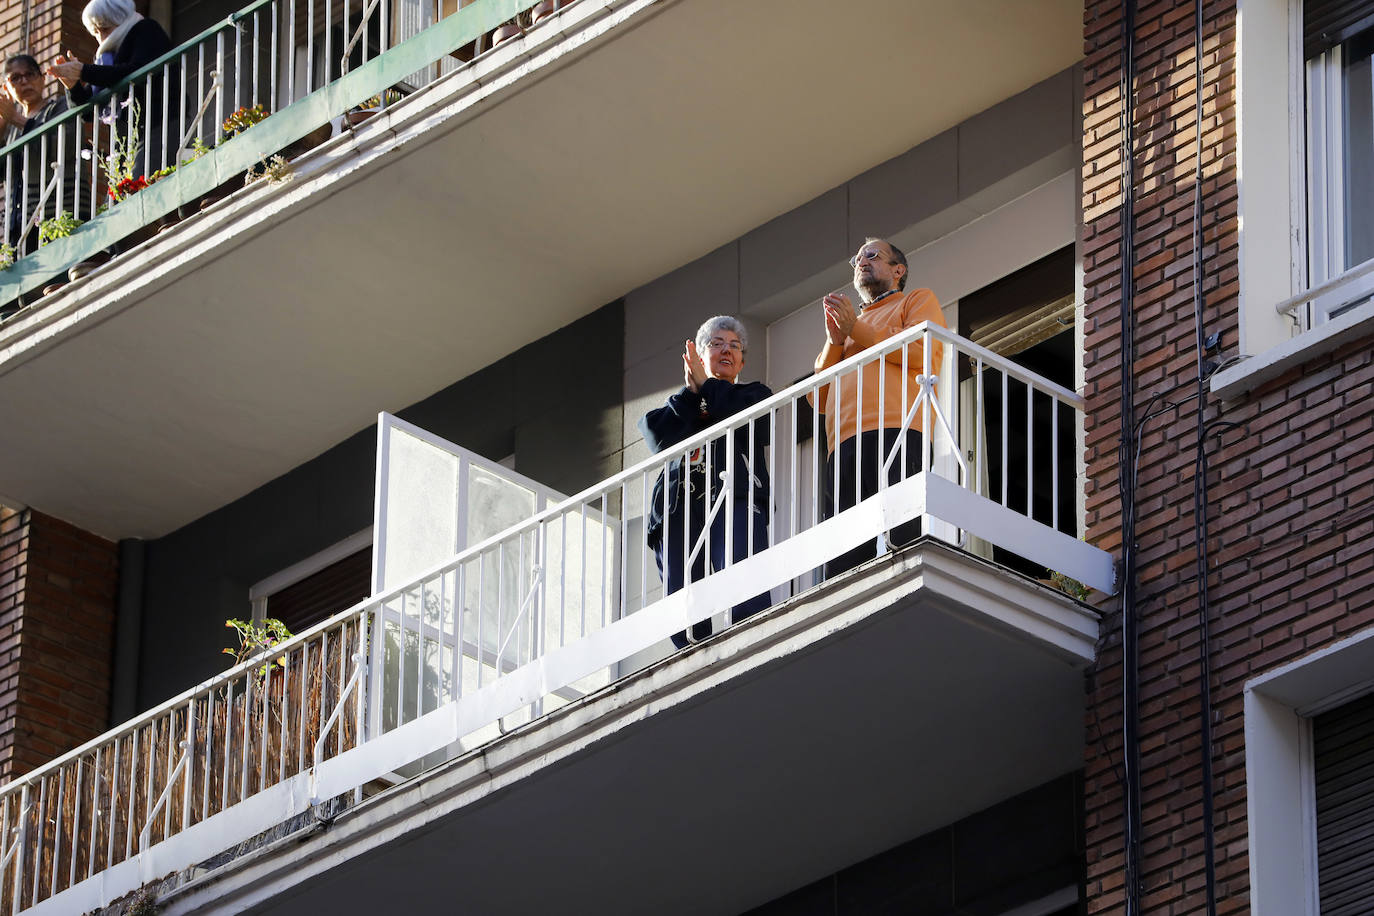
[
  {"x": 128, "y": 631},
  {"x": 1130, "y": 647}
]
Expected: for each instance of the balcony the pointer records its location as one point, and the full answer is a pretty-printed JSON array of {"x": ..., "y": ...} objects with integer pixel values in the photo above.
[
  {"x": 550, "y": 174},
  {"x": 516, "y": 700}
]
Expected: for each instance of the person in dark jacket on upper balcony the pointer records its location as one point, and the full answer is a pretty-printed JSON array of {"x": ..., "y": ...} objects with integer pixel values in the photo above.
[
  {"x": 711, "y": 392},
  {"x": 128, "y": 42}
]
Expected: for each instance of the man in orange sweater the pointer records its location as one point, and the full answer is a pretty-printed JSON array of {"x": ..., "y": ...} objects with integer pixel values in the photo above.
[{"x": 863, "y": 419}]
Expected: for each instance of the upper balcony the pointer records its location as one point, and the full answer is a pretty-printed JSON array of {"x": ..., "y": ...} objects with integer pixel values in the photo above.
[
  {"x": 516, "y": 188},
  {"x": 515, "y": 698}
]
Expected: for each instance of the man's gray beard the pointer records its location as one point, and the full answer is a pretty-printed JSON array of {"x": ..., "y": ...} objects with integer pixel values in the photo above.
[{"x": 868, "y": 290}]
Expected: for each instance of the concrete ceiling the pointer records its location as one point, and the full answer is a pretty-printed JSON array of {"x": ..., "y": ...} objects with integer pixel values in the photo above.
[{"x": 453, "y": 232}]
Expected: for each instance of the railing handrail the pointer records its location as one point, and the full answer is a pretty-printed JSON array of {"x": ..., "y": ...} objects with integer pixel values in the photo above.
[
  {"x": 1315, "y": 292},
  {"x": 104, "y": 94},
  {"x": 741, "y": 419}
]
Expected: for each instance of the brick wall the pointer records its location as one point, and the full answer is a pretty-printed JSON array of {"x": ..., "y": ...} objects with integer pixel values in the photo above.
[
  {"x": 57, "y": 598},
  {"x": 1291, "y": 501},
  {"x": 54, "y": 25}
]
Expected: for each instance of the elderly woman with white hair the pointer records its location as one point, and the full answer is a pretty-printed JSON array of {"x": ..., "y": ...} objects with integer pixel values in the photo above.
[
  {"x": 711, "y": 391},
  {"x": 128, "y": 42}
]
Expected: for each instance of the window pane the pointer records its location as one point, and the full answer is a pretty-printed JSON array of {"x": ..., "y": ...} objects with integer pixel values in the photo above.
[{"x": 1359, "y": 149}]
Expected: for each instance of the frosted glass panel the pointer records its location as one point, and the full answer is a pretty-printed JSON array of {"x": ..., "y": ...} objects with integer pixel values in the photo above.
[{"x": 420, "y": 518}]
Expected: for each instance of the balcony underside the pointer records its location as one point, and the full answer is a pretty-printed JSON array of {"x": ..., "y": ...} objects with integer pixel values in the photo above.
[
  {"x": 485, "y": 212},
  {"x": 916, "y": 691}
]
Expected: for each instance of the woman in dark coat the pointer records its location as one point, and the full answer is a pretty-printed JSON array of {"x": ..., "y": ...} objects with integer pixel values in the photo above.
[
  {"x": 128, "y": 42},
  {"x": 676, "y": 516}
]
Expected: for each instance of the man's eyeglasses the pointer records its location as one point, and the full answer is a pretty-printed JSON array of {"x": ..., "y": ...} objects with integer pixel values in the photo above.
[
  {"x": 717, "y": 343},
  {"x": 868, "y": 254},
  {"x": 22, "y": 77}
]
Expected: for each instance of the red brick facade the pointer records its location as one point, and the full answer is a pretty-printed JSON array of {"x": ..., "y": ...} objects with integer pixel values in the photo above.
[
  {"x": 1291, "y": 490},
  {"x": 57, "y": 602},
  {"x": 53, "y": 26}
]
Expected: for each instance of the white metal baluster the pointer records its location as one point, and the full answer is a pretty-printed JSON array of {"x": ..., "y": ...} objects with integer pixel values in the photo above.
[
  {"x": 283, "y": 718},
  {"x": 481, "y": 615},
  {"x": 324, "y": 682},
  {"x": 145, "y": 129},
  {"x": 858, "y": 431},
  {"x": 979, "y": 419},
  {"x": 227, "y": 751},
  {"x": 401, "y": 662},
  {"x": 19, "y": 848},
  {"x": 57, "y": 830},
  {"x": 605, "y": 559},
  {"x": 906, "y": 408},
  {"x": 249, "y": 701},
  {"x": 166, "y": 117},
  {"x": 444, "y": 604},
  {"x": 1054, "y": 462},
  {"x": 290, "y": 66},
  {"x": 328, "y": 41},
  {"x": 10, "y": 236},
  {"x": 76, "y": 823},
  {"x": 583, "y": 508},
  {"x": 793, "y": 452},
  {"x": 360, "y": 672},
  {"x": 816, "y": 489},
  {"x": 133, "y": 785},
  {"x": 420, "y": 643},
  {"x": 94, "y": 830},
  {"x": 563, "y": 579},
  {"x": 40, "y": 840},
  {"x": 1006, "y": 429},
  {"x": 114, "y": 810},
  {"x": 59, "y": 167},
  {"x": 257, "y": 58},
  {"x": 343, "y": 677},
  {"x": 839, "y": 437},
  {"x": 219, "y": 96},
  {"x": 25, "y": 170},
  {"x": 200, "y": 93},
  {"x": 728, "y": 484},
  {"x": 459, "y": 601},
  {"x": 209, "y": 754},
  {"x": 1030, "y": 452},
  {"x": 238, "y": 66}
]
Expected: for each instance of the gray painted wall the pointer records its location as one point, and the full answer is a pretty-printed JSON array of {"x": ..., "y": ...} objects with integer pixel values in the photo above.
[
  {"x": 554, "y": 404},
  {"x": 796, "y": 258},
  {"x": 566, "y": 405}
]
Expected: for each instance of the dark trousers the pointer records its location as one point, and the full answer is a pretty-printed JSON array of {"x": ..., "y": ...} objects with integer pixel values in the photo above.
[
  {"x": 669, "y": 553},
  {"x": 874, "y": 445}
]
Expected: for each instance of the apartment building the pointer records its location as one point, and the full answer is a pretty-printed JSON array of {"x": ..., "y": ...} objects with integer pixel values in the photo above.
[{"x": 392, "y": 399}]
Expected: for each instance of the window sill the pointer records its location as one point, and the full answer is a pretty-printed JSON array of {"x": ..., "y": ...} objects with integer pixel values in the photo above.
[{"x": 1254, "y": 371}]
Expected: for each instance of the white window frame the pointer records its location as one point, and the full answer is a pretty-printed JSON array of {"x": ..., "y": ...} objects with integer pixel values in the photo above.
[
  {"x": 1280, "y": 771},
  {"x": 1343, "y": 285},
  {"x": 261, "y": 592},
  {"x": 1272, "y": 180}
]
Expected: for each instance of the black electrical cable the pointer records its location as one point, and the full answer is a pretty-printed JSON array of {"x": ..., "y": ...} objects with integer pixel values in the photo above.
[
  {"x": 1200, "y": 488},
  {"x": 1130, "y": 647}
]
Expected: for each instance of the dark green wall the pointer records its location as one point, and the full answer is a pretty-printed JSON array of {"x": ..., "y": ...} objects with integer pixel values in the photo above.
[{"x": 555, "y": 404}]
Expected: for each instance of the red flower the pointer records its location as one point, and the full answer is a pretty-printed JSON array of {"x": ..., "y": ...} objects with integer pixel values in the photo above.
[{"x": 126, "y": 186}]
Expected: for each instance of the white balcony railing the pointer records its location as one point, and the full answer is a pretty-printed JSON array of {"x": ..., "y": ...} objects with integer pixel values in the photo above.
[
  {"x": 267, "y": 56},
  {"x": 515, "y": 625}
]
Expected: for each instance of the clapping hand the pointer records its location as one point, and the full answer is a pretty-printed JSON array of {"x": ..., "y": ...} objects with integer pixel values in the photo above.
[
  {"x": 9, "y": 111},
  {"x": 66, "y": 68},
  {"x": 693, "y": 371},
  {"x": 839, "y": 318}
]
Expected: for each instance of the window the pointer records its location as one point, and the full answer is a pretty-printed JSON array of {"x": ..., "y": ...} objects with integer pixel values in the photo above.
[
  {"x": 1338, "y": 45},
  {"x": 1305, "y": 166},
  {"x": 1309, "y": 764},
  {"x": 1343, "y": 768}
]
